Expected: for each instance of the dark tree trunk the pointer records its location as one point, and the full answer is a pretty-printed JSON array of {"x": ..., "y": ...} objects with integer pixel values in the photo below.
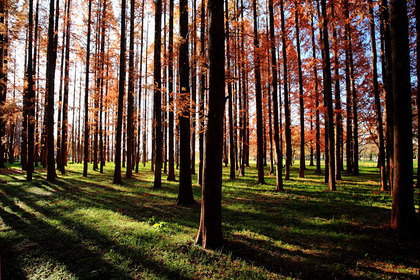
[
  {"x": 185, "y": 195},
  {"x": 157, "y": 96},
  {"x": 64, "y": 128},
  {"x": 30, "y": 96},
  {"x": 349, "y": 117},
  {"x": 3, "y": 83},
  {"x": 288, "y": 132},
  {"x": 328, "y": 99},
  {"x": 301, "y": 103},
  {"x": 230, "y": 97},
  {"x": 317, "y": 120},
  {"x": 201, "y": 96},
  {"x": 130, "y": 96},
  {"x": 86, "y": 138},
  {"x": 279, "y": 159},
  {"x": 337, "y": 95},
  {"x": 117, "y": 171},
  {"x": 381, "y": 156},
  {"x": 258, "y": 98},
  {"x": 210, "y": 232},
  {"x": 403, "y": 215},
  {"x": 418, "y": 88},
  {"x": 171, "y": 167},
  {"x": 193, "y": 35}
]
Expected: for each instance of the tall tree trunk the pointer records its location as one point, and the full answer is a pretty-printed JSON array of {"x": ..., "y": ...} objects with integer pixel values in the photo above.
[
  {"x": 403, "y": 215},
  {"x": 130, "y": 96},
  {"x": 193, "y": 35},
  {"x": 328, "y": 98},
  {"x": 185, "y": 195},
  {"x": 86, "y": 105},
  {"x": 258, "y": 98},
  {"x": 288, "y": 132},
  {"x": 201, "y": 95},
  {"x": 301, "y": 103},
  {"x": 388, "y": 86},
  {"x": 279, "y": 159},
  {"x": 337, "y": 95},
  {"x": 30, "y": 96},
  {"x": 317, "y": 120},
  {"x": 3, "y": 82},
  {"x": 157, "y": 96},
  {"x": 210, "y": 233},
  {"x": 64, "y": 128},
  {"x": 349, "y": 116},
  {"x": 171, "y": 168},
  {"x": 117, "y": 171},
  {"x": 230, "y": 93},
  {"x": 381, "y": 157}
]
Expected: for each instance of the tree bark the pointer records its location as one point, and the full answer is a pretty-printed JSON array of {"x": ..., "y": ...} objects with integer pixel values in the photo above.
[
  {"x": 185, "y": 195},
  {"x": 210, "y": 234},
  {"x": 403, "y": 216},
  {"x": 279, "y": 159},
  {"x": 258, "y": 98},
  {"x": 328, "y": 98},
  {"x": 117, "y": 171},
  {"x": 130, "y": 96},
  {"x": 301, "y": 103},
  {"x": 86, "y": 138},
  {"x": 288, "y": 132}
]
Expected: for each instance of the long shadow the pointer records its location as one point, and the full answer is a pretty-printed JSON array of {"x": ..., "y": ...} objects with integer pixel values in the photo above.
[{"x": 69, "y": 246}]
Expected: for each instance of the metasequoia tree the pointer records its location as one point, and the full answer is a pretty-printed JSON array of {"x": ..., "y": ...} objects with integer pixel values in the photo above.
[
  {"x": 201, "y": 95},
  {"x": 301, "y": 104},
  {"x": 210, "y": 233},
  {"x": 171, "y": 168},
  {"x": 49, "y": 104},
  {"x": 288, "y": 132},
  {"x": 185, "y": 195},
  {"x": 328, "y": 98},
  {"x": 130, "y": 96},
  {"x": 279, "y": 159},
  {"x": 3, "y": 77},
  {"x": 230, "y": 97},
  {"x": 157, "y": 83},
  {"x": 258, "y": 98},
  {"x": 64, "y": 128},
  {"x": 403, "y": 216},
  {"x": 29, "y": 98},
  {"x": 86, "y": 101},
  {"x": 378, "y": 110},
  {"x": 121, "y": 92}
]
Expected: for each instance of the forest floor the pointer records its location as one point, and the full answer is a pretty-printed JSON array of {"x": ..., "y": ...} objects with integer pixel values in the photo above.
[{"x": 88, "y": 228}]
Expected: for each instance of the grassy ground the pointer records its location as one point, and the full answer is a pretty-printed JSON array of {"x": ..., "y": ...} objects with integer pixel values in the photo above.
[{"x": 87, "y": 228}]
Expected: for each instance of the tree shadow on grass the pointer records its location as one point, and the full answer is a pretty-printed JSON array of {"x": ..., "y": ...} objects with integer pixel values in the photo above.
[{"x": 77, "y": 247}]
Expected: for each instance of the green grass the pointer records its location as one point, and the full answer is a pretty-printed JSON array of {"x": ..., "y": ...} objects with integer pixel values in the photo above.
[{"x": 88, "y": 228}]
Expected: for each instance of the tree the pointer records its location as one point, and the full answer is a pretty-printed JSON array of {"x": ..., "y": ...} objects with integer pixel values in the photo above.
[
  {"x": 30, "y": 98},
  {"x": 86, "y": 101},
  {"x": 328, "y": 98},
  {"x": 117, "y": 171},
  {"x": 171, "y": 169},
  {"x": 403, "y": 216},
  {"x": 157, "y": 95},
  {"x": 210, "y": 233},
  {"x": 381, "y": 156},
  {"x": 279, "y": 159},
  {"x": 301, "y": 104},
  {"x": 3, "y": 77},
  {"x": 64, "y": 129},
  {"x": 185, "y": 195},
  {"x": 230, "y": 97},
  {"x": 258, "y": 98},
  {"x": 130, "y": 96},
  {"x": 49, "y": 104},
  {"x": 288, "y": 132}
]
